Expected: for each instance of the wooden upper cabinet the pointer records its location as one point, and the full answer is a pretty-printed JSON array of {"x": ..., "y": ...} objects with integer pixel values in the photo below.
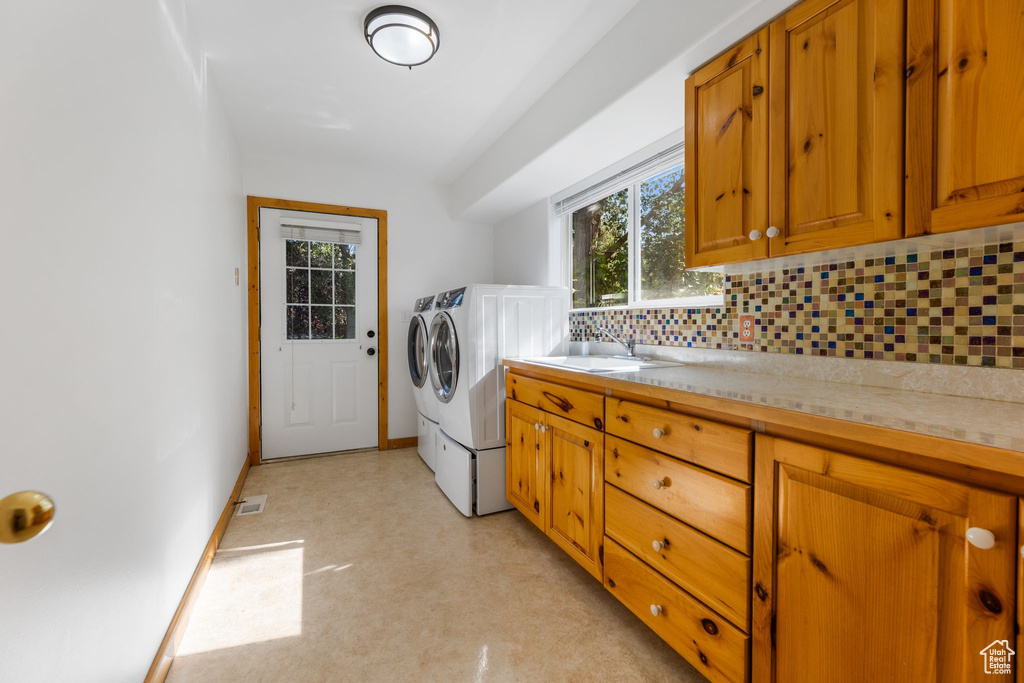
[
  {"x": 875, "y": 579},
  {"x": 965, "y": 108},
  {"x": 524, "y": 461},
  {"x": 727, "y": 156},
  {"x": 836, "y": 141},
  {"x": 575, "y": 513}
]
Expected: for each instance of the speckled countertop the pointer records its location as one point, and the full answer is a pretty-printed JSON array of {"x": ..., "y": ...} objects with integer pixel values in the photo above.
[{"x": 978, "y": 421}]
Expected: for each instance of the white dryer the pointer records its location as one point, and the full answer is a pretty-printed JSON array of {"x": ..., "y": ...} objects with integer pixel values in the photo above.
[
  {"x": 473, "y": 330},
  {"x": 419, "y": 364}
]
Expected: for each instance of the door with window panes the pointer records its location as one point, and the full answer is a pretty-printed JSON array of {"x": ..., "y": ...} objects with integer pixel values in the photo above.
[{"x": 318, "y": 333}]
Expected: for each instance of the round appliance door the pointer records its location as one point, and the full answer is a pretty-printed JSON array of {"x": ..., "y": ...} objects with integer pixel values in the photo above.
[
  {"x": 444, "y": 357},
  {"x": 419, "y": 359}
]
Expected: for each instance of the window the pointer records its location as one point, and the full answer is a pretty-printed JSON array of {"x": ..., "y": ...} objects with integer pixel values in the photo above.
[
  {"x": 320, "y": 286},
  {"x": 628, "y": 248}
]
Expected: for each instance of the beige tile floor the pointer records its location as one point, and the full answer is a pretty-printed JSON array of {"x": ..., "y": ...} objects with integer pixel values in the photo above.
[{"x": 360, "y": 569}]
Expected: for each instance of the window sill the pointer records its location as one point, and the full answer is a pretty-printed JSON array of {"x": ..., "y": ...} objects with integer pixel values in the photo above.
[{"x": 696, "y": 302}]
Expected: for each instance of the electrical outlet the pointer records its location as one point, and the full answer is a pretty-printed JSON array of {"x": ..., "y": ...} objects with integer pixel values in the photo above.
[{"x": 746, "y": 328}]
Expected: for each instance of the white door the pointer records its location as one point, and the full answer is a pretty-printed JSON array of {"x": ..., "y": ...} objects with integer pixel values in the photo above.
[{"x": 318, "y": 332}]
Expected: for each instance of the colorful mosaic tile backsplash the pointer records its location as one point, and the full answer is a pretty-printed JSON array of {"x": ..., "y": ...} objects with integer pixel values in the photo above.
[{"x": 962, "y": 306}]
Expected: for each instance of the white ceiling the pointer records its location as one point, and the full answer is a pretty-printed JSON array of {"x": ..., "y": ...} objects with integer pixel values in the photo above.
[{"x": 299, "y": 81}]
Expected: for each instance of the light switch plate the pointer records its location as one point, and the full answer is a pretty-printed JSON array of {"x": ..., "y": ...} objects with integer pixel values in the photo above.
[{"x": 746, "y": 328}]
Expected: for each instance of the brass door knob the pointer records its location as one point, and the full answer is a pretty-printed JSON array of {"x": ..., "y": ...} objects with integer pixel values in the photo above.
[{"x": 24, "y": 515}]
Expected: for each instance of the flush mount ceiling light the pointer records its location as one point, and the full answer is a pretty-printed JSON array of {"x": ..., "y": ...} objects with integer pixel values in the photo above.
[{"x": 401, "y": 35}]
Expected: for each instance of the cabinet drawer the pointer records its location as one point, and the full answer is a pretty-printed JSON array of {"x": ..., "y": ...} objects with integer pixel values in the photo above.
[
  {"x": 713, "y": 445},
  {"x": 716, "y": 505},
  {"x": 711, "y": 644},
  {"x": 577, "y": 405},
  {"x": 712, "y": 572}
]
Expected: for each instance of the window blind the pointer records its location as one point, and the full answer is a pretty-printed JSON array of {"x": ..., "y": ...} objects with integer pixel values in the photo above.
[
  {"x": 640, "y": 171},
  {"x": 320, "y": 231}
]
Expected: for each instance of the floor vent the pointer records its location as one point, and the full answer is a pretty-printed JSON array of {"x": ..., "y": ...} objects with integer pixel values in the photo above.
[{"x": 251, "y": 505}]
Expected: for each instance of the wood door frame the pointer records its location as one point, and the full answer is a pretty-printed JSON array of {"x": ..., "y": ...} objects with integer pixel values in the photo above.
[{"x": 254, "y": 204}]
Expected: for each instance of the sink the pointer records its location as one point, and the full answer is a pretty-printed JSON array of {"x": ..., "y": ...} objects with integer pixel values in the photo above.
[{"x": 600, "y": 364}]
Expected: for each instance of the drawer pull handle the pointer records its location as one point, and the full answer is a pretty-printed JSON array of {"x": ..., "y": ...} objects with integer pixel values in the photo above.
[
  {"x": 658, "y": 483},
  {"x": 658, "y": 433},
  {"x": 656, "y": 610},
  {"x": 657, "y": 545},
  {"x": 981, "y": 538}
]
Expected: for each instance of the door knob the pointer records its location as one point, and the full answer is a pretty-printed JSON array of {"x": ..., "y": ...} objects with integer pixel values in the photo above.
[
  {"x": 370, "y": 351},
  {"x": 981, "y": 538},
  {"x": 24, "y": 515},
  {"x": 772, "y": 231},
  {"x": 371, "y": 334}
]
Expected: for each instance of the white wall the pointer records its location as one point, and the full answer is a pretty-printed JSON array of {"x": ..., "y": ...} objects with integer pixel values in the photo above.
[
  {"x": 528, "y": 247},
  {"x": 428, "y": 252},
  {"x": 123, "y": 384}
]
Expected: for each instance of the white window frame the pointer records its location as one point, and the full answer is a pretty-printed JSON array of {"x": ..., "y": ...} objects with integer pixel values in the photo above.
[{"x": 633, "y": 291}]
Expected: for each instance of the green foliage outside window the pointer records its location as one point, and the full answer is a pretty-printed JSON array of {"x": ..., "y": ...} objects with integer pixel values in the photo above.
[{"x": 600, "y": 247}]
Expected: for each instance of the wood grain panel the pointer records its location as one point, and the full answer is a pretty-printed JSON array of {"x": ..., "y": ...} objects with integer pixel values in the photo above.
[
  {"x": 575, "y": 490},
  {"x": 711, "y": 644},
  {"x": 965, "y": 102},
  {"x": 713, "y": 445},
  {"x": 836, "y": 145},
  {"x": 525, "y": 466},
  {"x": 717, "y": 505},
  {"x": 579, "y": 406},
  {"x": 727, "y": 156},
  {"x": 874, "y": 579},
  {"x": 709, "y": 570}
]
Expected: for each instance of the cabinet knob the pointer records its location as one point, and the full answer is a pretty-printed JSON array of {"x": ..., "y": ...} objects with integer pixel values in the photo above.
[
  {"x": 655, "y": 610},
  {"x": 658, "y": 433},
  {"x": 981, "y": 538},
  {"x": 772, "y": 231},
  {"x": 536, "y": 426},
  {"x": 657, "y": 545},
  {"x": 543, "y": 428},
  {"x": 754, "y": 235},
  {"x": 658, "y": 483}
]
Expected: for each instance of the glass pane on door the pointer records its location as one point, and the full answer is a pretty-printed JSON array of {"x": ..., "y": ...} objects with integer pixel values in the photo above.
[{"x": 320, "y": 290}]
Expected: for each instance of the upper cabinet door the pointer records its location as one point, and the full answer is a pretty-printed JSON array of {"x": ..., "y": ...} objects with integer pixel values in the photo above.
[
  {"x": 965, "y": 108},
  {"x": 836, "y": 125},
  {"x": 727, "y": 156}
]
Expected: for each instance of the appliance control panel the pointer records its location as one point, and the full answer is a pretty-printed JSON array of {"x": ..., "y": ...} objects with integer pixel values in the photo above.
[
  {"x": 424, "y": 304},
  {"x": 451, "y": 298}
]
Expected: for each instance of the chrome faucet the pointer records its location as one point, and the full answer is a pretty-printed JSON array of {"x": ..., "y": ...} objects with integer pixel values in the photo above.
[{"x": 630, "y": 346}]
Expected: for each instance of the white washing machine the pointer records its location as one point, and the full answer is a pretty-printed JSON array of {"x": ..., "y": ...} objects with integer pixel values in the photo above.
[
  {"x": 473, "y": 330},
  {"x": 419, "y": 364}
]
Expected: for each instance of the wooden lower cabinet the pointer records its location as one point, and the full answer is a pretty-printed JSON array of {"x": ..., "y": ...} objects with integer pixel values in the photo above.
[
  {"x": 575, "y": 510},
  {"x": 711, "y": 644},
  {"x": 554, "y": 475},
  {"x": 524, "y": 461},
  {"x": 863, "y": 570}
]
